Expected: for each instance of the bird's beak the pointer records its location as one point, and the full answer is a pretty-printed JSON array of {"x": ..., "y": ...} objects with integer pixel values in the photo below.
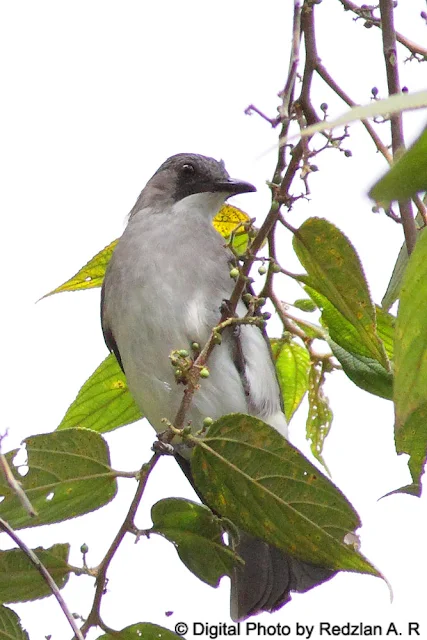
[{"x": 233, "y": 187}]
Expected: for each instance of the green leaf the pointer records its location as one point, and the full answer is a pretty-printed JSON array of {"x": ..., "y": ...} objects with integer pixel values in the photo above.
[
  {"x": 410, "y": 388},
  {"x": 393, "y": 104},
  {"x": 344, "y": 341},
  {"x": 10, "y": 625},
  {"x": 141, "y": 631},
  {"x": 406, "y": 177},
  {"x": 305, "y": 304},
  {"x": 19, "y": 579},
  {"x": 104, "y": 402},
  {"x": 197, "y": 535},
  {"x": 334, "y": 272},
  {"x": 393, "y": 287},
  {"x": 319, "y": 419},
  {"x": 248, "y": 473},
  {"x": 69, "y": 475},
  {"x": 89, "y": 276},
  {"x": 365, "y": 372},
  {"x": 292, "y": 366},
  {"x": 385, "y": 328}
]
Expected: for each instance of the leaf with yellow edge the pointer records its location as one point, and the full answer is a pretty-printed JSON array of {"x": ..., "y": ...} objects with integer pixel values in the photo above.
[{"x": 89, "y": 276}]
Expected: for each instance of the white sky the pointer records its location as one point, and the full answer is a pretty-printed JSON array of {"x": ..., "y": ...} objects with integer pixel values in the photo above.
[{"x": 95, "y": 95}]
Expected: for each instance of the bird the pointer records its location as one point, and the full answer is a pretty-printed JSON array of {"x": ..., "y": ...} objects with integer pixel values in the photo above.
[{"x": 163, "y": 291}]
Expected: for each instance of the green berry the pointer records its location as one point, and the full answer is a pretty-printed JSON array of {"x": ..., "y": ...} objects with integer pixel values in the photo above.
[
  {"x": 84, "y": 548},
  {"x": 207, "y": 422},
  {"x": 262, "y": 270},
  {"x": 204, "y": 373},
  {"x": 234, "y": 273},
  {"x": 183, "y": 353}
]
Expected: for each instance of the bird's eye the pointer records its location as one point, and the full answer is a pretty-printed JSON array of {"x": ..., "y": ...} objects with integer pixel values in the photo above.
[{"x": 188, "y": 169}]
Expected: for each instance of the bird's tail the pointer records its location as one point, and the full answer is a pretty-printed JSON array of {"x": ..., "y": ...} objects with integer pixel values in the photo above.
[{"x": 269, "y": 575}]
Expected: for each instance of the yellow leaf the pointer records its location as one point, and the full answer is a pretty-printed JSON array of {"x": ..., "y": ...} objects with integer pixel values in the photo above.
[
  {"x": 89, "y": 276},
  {"x": 226, "y": 221}
]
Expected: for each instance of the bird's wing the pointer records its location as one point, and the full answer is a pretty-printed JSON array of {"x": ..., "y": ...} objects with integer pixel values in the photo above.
[{"x": 108, "y": 334}]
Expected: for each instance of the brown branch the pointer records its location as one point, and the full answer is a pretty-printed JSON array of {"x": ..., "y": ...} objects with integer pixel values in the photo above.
[
  {"x": 397, "y": 138},
  {"x": 44, "y": 573},
  {"x": 266, "y": 228},
  {"x": 314, "y": 64},
  {"x": 287, "y": 93},
  {"x": 94, "y": 617},
  {"x": 327, "y": 78},
  {"x": 413, "y": 47}
]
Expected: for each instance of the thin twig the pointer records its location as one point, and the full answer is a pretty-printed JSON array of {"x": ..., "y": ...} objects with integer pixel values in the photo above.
[
  {"x": 16, "y": 487},
  {"x": 94, "y": 617},
  {"x": 44, "y": 573},
  {"x": 327, "y": 78},
  {"x": 266, "y": 228},
  {"x": 397, "y": 138},
  {"x": 413, "y": 47}
]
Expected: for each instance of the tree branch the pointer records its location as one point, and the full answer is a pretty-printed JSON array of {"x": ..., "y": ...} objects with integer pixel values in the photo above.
[
  {"x": 44, "y": 573},
  {"x": 398, "y": 142},
  {"x": 94, "y": 617},
  {"x": 420, "y": 53}
]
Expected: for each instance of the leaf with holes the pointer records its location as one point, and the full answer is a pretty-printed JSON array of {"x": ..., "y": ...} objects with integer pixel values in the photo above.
[
  {"x": 410, "y": 361},
  {"x": 144, "y": 630},
  {"x": 248, "y": 473},
  {"x": 89, "y": 276},
  {"x": 319, "y": 419},
  {"x": 335, "y": 273},
  {"x": 19, "y": 579},
  {"x": 10, "y": 625},
  {"x": 69, "y": 474},
  {"x": 104, "y": 402},
  {"x": 197, "y": 535},
  {"x": 292, "y": 366}
]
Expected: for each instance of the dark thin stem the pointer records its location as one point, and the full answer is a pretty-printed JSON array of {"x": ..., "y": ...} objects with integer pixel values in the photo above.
[
  {"x": 44, "y": 573},
  {"x": 267, "y": 227},
  {"x": 413, "y": 47},
  {"x": 398, "y": 142},
  {"x": 94, "y": 618},
  {"x": 327, "y": 78}
]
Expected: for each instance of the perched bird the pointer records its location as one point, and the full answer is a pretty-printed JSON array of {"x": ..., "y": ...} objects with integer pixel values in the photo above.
[{"x": 163, "y": 290}]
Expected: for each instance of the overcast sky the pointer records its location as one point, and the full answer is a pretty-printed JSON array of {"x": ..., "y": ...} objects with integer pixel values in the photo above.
[{"x": 95, "y": 95}]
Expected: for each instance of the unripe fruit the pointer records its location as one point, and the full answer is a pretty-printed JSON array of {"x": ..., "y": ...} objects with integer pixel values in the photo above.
[{"x": 234, "y": 273}]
